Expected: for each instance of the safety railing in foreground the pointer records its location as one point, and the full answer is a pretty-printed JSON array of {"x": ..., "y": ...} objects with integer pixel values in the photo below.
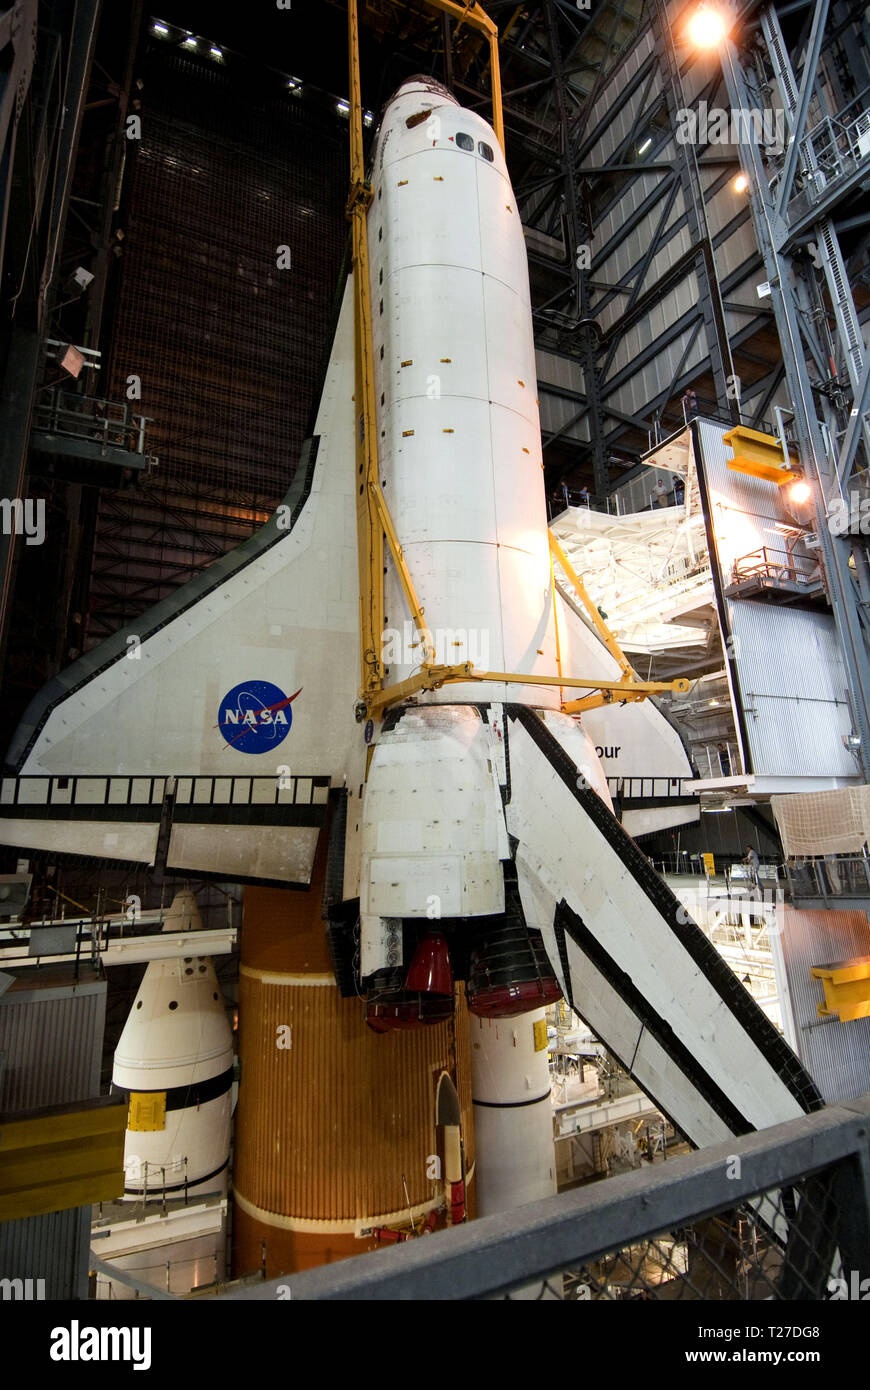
[{"x": 779, "y": 1214}]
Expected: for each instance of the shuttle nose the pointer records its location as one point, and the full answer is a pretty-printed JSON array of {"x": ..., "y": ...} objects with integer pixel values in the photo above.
[{"x": 426, "y": 87}]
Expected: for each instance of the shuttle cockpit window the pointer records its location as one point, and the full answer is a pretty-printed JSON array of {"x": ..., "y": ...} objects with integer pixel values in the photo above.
[
  {"x": 486, "y": 150},
  {"x": 464, "y": 141}
]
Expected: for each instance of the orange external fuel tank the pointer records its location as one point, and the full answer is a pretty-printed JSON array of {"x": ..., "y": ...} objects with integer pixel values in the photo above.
[{"x": 331, "y": 1117}]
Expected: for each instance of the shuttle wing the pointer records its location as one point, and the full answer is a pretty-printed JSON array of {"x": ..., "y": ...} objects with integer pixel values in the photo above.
[{"x": 226, "y": 711}]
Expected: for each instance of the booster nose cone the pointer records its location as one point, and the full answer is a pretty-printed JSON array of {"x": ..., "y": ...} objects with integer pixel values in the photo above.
[{"x": 174, "y": 1060}]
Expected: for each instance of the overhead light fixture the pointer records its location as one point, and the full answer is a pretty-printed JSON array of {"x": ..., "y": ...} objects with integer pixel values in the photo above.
[
  {"x": 342, "y": 107},
  {"x": 741, "y": 183},
  {"x": 712, "y": 702},
  {"x": 706, "y": 28},
  {"x": 190, "y": 42},
  {"x": 852, "y": 741},
  {"x": 158, "y": 28},
  {"x": 216, "y": 52},
  {"x": 294, "y": 84},
  {"x": 799, "y": 492},
  {"x": 642, "y": 149},
  {"x": 368, "y": 118}
]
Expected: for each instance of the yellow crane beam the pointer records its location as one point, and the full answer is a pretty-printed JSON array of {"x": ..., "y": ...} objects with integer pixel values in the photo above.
[
  {"x": 370, "y": 536},
  {"x": 475, "y": 16},
  {"x": 374, "y": 522}
]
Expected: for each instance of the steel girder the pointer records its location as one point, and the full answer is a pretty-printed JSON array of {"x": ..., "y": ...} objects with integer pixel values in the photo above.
[{"x": 792, "y": 302}]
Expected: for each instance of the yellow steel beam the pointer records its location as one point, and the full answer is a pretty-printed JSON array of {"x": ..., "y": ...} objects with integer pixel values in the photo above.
[
  {"x": 404, "y": 573},
  {"x": 601, "y": 627},
  {"x": 63, "y": 1156},
  {"x": 761, "y": 455},
  {"x": 373, "y": 516},
  {"x": 632, "y": 688},
  {"x": 637, "y": 688},
  {"x": 475, "y": 17},
  {"x": 370, "y": 539},
  {"x": 847, "y": 989},
  {"x": 432, "y": 677},
  {"x": 555, "y": 615}
]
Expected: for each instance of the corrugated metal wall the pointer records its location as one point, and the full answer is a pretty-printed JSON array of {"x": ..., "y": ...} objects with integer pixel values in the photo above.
[
  {"x": 52, "y": 1248},
  {"x": 52, "y": 1040},
  {"x": 793, "y": 689},
  {"x": 790, "y": 673},
  {"x": 837, "y": 1054},
  {"x": 629, "y": 385}
]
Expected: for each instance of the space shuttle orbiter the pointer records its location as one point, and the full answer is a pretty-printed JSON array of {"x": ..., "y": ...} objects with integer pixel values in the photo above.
[{"x": 470, "y": 817}]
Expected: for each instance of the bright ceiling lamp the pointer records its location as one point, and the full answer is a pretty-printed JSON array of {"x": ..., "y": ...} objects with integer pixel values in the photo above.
[
  {"x": 799, "y": 492},
  {"x": 706, "y": 28},
  {"x": 741, "y": 183}
]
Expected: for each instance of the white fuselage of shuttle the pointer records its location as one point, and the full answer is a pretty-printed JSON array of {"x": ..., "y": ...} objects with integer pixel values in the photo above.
[{"x": 458, "y": 431}]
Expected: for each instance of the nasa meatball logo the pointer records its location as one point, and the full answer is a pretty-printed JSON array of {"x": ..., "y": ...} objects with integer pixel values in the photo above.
[{"x": 255, "y": 717}]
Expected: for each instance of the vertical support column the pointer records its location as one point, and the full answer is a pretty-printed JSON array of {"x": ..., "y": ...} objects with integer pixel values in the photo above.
[
  {"x": 578, "y": 233},
  {"x": 721, "y": 361},
  {"x": 772, "y": 233}
]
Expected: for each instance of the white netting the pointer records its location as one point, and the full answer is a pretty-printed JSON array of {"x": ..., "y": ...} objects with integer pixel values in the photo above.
[{"x": 823, "y": 822}]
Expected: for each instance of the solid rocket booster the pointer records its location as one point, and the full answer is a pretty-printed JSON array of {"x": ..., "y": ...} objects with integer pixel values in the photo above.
[{"x": 513, "y": 1118}]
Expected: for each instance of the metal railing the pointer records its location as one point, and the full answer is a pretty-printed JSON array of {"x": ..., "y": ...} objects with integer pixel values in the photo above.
[
  {"x": 556, "y": 506},
  {"x": 833, "y": 878},
  {"x": 81, "y": 791},
  {"x": 789, "y": 1220},
  {"x": 641, "y": 788},
  {"x": 730, "y": 867},
  {"x": 718, "y": 761},
  {"x": 834, "y": 146},
  {"x": 115, "y": 792},
  {"x": 111, "y": 423},
  {"x": 775, "y": 566}
]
